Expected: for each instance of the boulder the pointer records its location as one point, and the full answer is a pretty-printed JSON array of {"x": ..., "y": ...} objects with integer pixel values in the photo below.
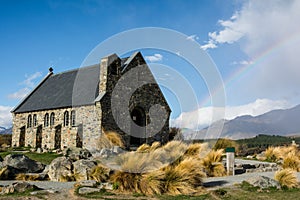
[
  {"x": 8, "y": 173},
  {"x": 88, "y": 190},
  {"x": 18, "y": 187},
  {"x": 82, "y": 168},
  {"x": 23, "y": 164},
  {"x": 117, "y": 150},
  {"x": 86, "y": 183},
  {"x": 263, "y": 182},
  {"x": 60, "y": 167},
  {"x": 39, "y": 150},
  {"x": 105, "y": 152},
  {"x": 75, "y": 153}
]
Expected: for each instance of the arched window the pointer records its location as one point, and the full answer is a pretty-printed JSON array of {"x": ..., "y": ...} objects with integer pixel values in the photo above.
[
  {"x": 46, "y": 120},
  {"x": 73, "y": 118},
  {"x": 52, "y": 119},
  {"x": 66, "y": 118},
  {"x": 29, "y": 121},
  {"x": 34, "y": 120}
]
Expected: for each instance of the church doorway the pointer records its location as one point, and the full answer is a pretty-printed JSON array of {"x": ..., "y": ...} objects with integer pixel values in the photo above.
[
  {"x": 57, "y": 137},
  {"x": 39, "y": 136},
  {"x": 22, "y": 137},
  {"x": 138, "y": 134}
]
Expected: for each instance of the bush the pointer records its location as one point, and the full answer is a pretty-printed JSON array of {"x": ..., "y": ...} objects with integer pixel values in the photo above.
[
  {"x": 110, "y": 139},
  {"x": 99, "y": 173},
  {"x": 291, "y": 161},
  {"x": 273, "y": 154},
  {"x": 212, "y": 163},
  {"x": 286, "y": 178}
]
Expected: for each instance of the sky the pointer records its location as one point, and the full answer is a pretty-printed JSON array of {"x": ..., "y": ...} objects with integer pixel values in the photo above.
[{"x": 253, "y": 44}]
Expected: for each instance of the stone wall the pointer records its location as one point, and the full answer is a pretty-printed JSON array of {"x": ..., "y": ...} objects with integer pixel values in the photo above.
[{"x": 87, "y": 127}]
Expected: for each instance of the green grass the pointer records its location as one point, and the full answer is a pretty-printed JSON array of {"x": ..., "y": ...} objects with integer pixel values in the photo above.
[{"x": 44, "y": 158}]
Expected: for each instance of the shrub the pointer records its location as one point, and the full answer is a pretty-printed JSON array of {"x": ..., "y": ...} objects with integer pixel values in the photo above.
[
  {"x": 286, "y": 178},
  {"x": 110, "y": 139},
  {"x": 291, "y": 161},
  {"x": 223, "y": 143},
  {"x": 99, "y": 173},
  {"x": 212, "y": 163},
  {"x": 273, "y": 154},
  {"x": 115, "y": 139},
  {"x": 126, "y": 181},
  {"x": 143, "y": 148}
]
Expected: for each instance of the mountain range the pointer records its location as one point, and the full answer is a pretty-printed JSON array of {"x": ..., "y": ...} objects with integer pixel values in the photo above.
[
  {"x": 277, "y": 122},
  {"x": 4, "y": 130}
]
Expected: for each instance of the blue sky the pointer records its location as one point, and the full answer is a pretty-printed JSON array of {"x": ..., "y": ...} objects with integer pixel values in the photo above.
[{"x": 252, "y": 43}]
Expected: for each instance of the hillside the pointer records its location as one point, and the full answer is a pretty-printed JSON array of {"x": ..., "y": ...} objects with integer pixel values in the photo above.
[{"x": 276, "y": 122}]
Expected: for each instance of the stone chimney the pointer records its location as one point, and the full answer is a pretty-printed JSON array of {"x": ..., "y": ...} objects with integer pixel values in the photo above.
[{"x": 106, "y": 69}]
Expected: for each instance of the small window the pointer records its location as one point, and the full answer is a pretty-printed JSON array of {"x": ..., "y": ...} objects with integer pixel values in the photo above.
[
  {"x": 34, "y": 120},
  {"x": 29, "y": 121},
  {"x": 52, "y": 119},
  {"x": 66, "y": 118},
  {"x": 73, "y": 118},
  {"x": 46, "y": 120}
]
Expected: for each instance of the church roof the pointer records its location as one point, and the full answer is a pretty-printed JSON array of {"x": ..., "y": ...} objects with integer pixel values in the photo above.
[{"x": 63, "y": 90}]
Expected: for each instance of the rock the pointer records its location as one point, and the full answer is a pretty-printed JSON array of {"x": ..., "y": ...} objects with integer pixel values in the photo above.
[
  {"x": 1, "y": 159},
  {"x": 39, "y": 150},
  {"x": 117, "y": 150},
  {"x": 107, "y": 186},
  {"x": 87, "y": 183},
  {"x": 104, "y": 153},
  {"x": 88, "y": 190},
  {"x": 60, "y": 167},
  {"x": 18, "y": 187},
  {"x": 82, "y": 168},
  {"x": 249, "y": 157},
  {"x": 261, "y": 156},
  {"x": 43, "y": 192},
  {"x": 263, "y": 182},
  {"x": 75, "y": 153},
  {"x": 8, "y": 173},
  {"x": 23, "y": 164}
]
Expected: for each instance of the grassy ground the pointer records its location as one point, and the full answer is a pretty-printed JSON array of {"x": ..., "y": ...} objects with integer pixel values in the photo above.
[
  {"x": 243, "y": 191},
  {"x": 44, "y": 158}
]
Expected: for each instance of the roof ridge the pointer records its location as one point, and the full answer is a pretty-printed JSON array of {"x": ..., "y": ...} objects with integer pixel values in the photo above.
[{"x": 76, "y": 69}]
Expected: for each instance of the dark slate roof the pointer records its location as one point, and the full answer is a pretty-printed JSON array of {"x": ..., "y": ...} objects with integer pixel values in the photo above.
[{"x": 67, "y": 89}]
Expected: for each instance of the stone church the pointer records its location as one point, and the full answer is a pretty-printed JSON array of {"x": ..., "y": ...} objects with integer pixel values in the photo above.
[{"x": 73, "y": 108}]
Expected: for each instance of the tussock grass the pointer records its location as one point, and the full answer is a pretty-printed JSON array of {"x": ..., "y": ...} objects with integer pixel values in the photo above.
[
  {"x": 212, "y": 163},
  {"x": 273, "y": 154},
  {"x": 143, "y": 148},
  {"x": 286, "y": 178},
  {"x": 154, "y": 146},
  {"x": 99, "y": 173},
  {"x": 110, "y": 139},
  {"x": 291, "y": 161},
  {"x": 127, "y": 182},
  {"x": 194, "y": 149},
  {"x": 28, "y": 177}
]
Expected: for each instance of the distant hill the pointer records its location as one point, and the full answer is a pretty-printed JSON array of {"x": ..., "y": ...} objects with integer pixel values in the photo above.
[
  {"x": 5, "y": 131},
  {"x": 276, "y": 122}
]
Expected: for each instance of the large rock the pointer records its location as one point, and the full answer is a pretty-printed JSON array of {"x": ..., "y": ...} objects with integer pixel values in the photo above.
[
  {"x": 263, "y": 182},
  {"x": 88, "y": 190},
  {"x": 8, "y": 173},
  {"x": 18, "y": 187},
  {"x": 82, "y": 168},
  {"x": 23, "y": 164},
  {"x": 60, "y": 167},
  {"x": 75, "y": 153}
]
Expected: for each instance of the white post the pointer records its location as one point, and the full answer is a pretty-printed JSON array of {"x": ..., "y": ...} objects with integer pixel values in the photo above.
[{"x": 230, "y": 161}]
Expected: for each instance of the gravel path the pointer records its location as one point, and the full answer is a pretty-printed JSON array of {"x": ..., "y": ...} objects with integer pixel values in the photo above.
[
  {"x": 227, "y": 181},
  {"x": 47, "y": 185}
]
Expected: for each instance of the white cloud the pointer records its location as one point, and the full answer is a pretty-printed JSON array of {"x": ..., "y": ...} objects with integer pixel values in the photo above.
[
  {"x": 242, "y": 62},
  {"x": 192, "y": 38},
  {"x": 203, "y": 117},
  {"x": 5, "y": 116},
  {"x": 28, "y": 83},
  {"x": 155, "y": 58},
  {"x": 267, "y": 33},
  {"x": 209, "y": 45}
]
